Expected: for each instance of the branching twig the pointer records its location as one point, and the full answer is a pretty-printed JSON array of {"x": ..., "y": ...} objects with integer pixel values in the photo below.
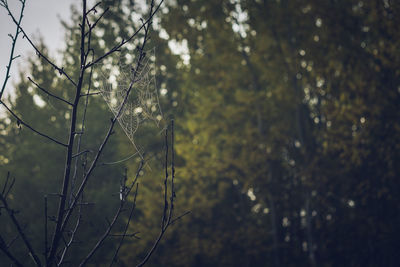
[
  {"x": 166, "y": 217},
  {"x": 58, "y": 231},
  {"x": 123, "y": 42},
  {"x": 92, "y": 26},
  {"x": 8, "y": 253},
  {"x": 72, "y": 237},
  {"x": 116, "y": 216},
  {"x": 38, "y": 52},
  {"x": 109, "y": 132},
  {"x": 11, "y": 214},
  {"x": 14, "y": 41}
]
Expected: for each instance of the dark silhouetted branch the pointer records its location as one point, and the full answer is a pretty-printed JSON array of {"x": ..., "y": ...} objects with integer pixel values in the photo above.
[
  {"x": 110, "y": 130},
  {"x": 116, "y": 216},
  {"x": 58, "y": 232},
  {"x": 167, "y": 216},
  {"x": 48, "y": 93},
  {"x": 11, "y": 214},
  {"x": 6, "y": 251},
  {"x": 38, "y": 52},
  {"x": 123, "y": 42},
  {"x": 20, "y": 121},
  {"x": 14, "y": 42}
]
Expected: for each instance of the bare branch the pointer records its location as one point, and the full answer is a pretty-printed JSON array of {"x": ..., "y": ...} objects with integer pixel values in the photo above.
[
  {"x": 109, "y": 132},
  {"x": 92, "y": 26},
  {"x": 123, "y": 42},
  {"x": 58, "y": 231},
  {"x": 116, "y": 216},
  {"x": 80, "y": 153},
  {"x": 124, "y": 234},
  {"x": 72, "y": 238},
  {"x": 11, "y": 214},
  {"x": 20, "y": 121},
  {"x": 45, "y": 230},
  {"x": 8, "y": 253},
  {"x": 90, "y": 94},
  {"x": 50, "y": 94},
  {"x": 166, "y": 221},
  {"x": 180, "y": 217},
  {"x": 5, "y": 191},
  {"x": 14, "y": 41},
  {"x": 93, "y": 9},
  {"x": 38, "y": 52},
  {"x": 164, "y": 217}
]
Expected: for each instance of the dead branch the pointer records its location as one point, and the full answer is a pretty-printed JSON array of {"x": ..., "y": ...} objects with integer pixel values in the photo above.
[
  {"x": 20, "y": 121},
  {"x": 48, "y": 93},
  {"x": 14, "y": 42},
  {"x": 14, "y": 220}
]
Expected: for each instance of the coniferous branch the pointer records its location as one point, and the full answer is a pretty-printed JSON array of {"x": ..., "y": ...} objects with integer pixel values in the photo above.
[
  {"x": 21, "y": 122},
  {"x": 48, "y": 93}
]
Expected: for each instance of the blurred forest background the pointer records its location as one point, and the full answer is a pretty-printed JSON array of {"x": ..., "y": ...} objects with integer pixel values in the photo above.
[{"x": 287, "y": 117}]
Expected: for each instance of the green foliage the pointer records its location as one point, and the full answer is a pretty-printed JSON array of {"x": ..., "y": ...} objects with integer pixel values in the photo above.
[
  {"x": 300, "y": 108},
  {"x": 287, "y": 134}
]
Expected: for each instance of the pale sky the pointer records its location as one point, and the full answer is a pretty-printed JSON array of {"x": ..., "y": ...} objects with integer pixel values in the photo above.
[{"x": 41, "y": 18}]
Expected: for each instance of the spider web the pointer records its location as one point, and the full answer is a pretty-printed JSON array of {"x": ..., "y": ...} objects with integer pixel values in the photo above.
[{"x": 142, "y": 103}]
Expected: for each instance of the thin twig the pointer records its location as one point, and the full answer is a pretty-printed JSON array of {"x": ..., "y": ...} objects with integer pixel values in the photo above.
[
  {"x": 11, "y": 214},
  {"x": 166, "y": 221},
  {"x": 115, "y": 218},
  {"x": 95, "y": 93},
  {"x": 14, "y": 41},
  {"x": 80, "y": 153},
  {"x": 109, "y": 132},
  {"x": 58, "y": 231},
  {"x": 3, "y": 192},
  {"x": 20, "y": 121},
  {"x": 172, "y": 173},
  {"x": 126, "y": 227},
  {"x": 93, "y": 9},
  {"x": 92, "y": 26},
  {"x": 45, "y": 230},
  {"x": 123, "y": 42},
  {"x": 50, "y": 94},
  {"x": 164, "y": 218},
  {"x": 38, "y": 52},
  {"x": 72, "y": 238},
  {"x": 8, "y": 253}
]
